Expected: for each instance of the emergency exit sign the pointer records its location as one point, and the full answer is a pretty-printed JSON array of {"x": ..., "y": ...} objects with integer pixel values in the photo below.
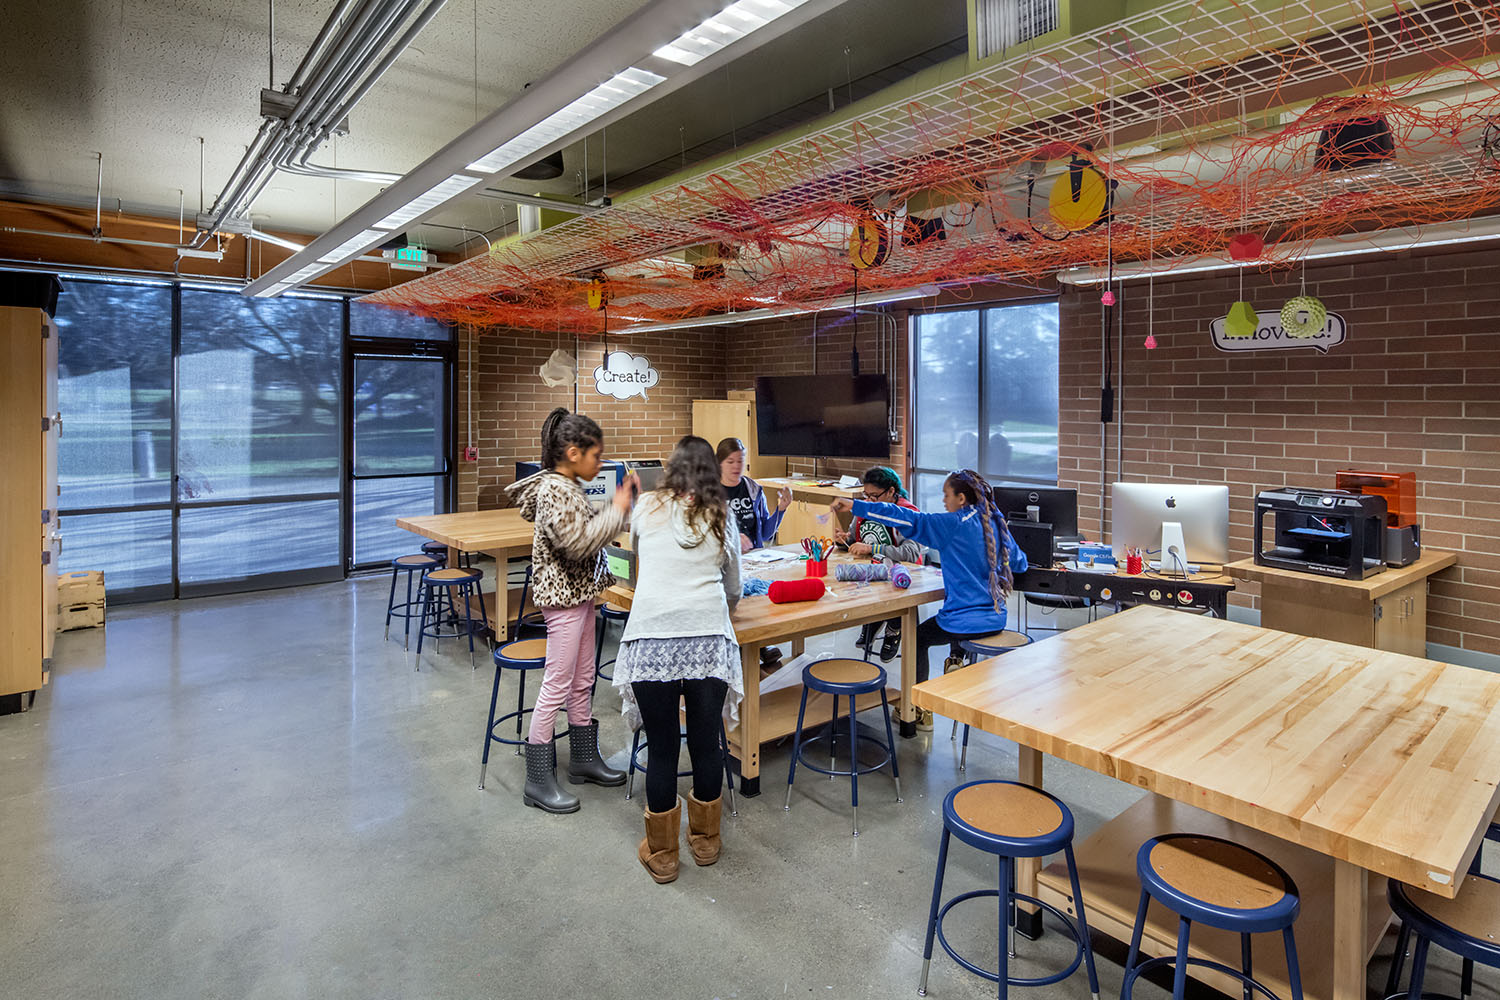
[{"x": 409, "y": 258}]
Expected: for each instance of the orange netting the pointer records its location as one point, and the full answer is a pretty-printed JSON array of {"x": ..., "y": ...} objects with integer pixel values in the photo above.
[{"x": 1292, "y": 121}]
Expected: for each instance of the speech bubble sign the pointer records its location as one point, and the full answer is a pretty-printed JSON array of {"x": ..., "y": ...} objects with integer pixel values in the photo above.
[
  {"x": 1269, "y": 336},
  {"x": 624, "y": 375}
]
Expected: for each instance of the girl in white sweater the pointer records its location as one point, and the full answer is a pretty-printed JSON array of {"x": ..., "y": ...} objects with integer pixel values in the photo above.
[{"x": 679, "y": 646}]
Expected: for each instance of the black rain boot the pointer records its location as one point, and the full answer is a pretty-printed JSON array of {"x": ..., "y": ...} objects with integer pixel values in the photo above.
[
  {"x": 584, "y": 762},
  {"x": 542, "y": 789}
]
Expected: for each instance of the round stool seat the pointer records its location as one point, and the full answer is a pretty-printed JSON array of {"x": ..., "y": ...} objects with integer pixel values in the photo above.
[
  {"x": 1008, "y": 817},
  {"x": 1218, "y": 882},
  {"x": 453, "y": 575},
  {"x": 843, "y": 676},
  {"x": 614, "y": 612},
  {"x": 1000, "y": 642},
  {"x": 522, "y": 654},
  {"x": 415, "y": 561},
  {"x": 435, "y": 548},
  {"x": 1468, "y": 924}
]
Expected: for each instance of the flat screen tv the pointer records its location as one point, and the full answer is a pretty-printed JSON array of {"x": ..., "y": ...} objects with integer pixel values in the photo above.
[{"x": 823, "y": 416}]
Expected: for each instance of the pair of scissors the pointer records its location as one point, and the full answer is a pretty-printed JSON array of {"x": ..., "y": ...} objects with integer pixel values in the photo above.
[{"x": 817, "y": 548}]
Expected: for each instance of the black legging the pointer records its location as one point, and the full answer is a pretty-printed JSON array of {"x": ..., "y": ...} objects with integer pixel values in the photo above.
[
  {"x": 704, "y": 702},
  {"x": 930, "y": 634}
]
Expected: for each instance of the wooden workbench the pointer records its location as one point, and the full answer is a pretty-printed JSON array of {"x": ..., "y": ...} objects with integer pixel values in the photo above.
[
  {"x": 1386, "y": 611},
  {"x": 501, "y": 534},
  {"x": 1344, "y": 764},
  {"x": 759, "y": 623}
]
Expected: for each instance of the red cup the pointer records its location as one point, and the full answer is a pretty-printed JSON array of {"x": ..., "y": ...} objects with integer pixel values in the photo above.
[
  {"x": 1134, "y": 565},
  {"x": 817, "y": 567}
]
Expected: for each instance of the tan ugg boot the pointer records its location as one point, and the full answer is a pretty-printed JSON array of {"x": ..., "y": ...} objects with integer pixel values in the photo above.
[
  {"x": 658, "y": 850},
  {"x": 703, "y": 829}
]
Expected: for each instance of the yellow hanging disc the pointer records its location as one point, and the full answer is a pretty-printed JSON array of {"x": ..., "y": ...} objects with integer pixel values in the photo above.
[
  {"x": 598, "y": 294},
  {"x": 869, "y": 244},
  {"x": 1079, "y": 198}
]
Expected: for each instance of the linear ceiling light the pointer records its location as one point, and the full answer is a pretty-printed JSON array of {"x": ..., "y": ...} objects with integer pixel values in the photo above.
[
  {"x": 1387, "y": 241},
  {"x": 754, "y": 315},
  {"x": 556, "y": 110},
  {"x": 724, "y": 28},
  {"x": 615, "y": 91}
]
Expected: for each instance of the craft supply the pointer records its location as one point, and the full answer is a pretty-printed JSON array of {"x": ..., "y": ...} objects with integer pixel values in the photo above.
[
  {"x": 861, "y": 571},
  {"x": 754, "y": 587},
  {"x": 791, "y": 591},
  {"x": 817, "y": 567},
  {"x": 817, "y": 547},
  {"x": 900, "y": 577}
]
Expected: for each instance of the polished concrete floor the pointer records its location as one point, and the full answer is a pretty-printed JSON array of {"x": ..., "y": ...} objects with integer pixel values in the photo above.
[{"x": 259, "y": 797}]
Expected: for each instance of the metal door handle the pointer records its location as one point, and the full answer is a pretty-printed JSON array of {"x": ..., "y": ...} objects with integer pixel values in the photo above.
[{"x": 57, "y": 537}]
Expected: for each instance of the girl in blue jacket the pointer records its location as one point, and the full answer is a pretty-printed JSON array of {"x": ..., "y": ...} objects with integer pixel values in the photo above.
[{"x": 970, "y": 535}]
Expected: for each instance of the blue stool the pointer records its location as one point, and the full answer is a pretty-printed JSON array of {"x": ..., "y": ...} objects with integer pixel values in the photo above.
[
  {"x": 1009, "y": 820},
  {"x": 840, "y": 678},
  {"x": 439, "y": 551},
  {"x": 637, "y": 744},
  {"x": 412, "y": 565},
  {"x": 440, "y": 587},
  {"x": 523, "y": 655},
  {"x": 527, "y": 626},
  {"x": 978, "y": 649},
  {"x": 1221, "y": 884},
  {"x": 607, "y": 613},
  {"x": 1466, "y": 930}
]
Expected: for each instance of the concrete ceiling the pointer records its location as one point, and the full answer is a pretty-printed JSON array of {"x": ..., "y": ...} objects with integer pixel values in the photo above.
[{"x": 141, "y": 82}]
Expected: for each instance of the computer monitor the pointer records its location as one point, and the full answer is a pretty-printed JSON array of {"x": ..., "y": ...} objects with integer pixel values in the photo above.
[
  {"x": 1056, "y": 506},
  {"x": 1139, "y": 510},
  {"x": 1034, "y": 539}
]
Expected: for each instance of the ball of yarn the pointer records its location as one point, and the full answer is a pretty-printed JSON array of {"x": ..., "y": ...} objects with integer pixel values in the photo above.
[
  {"x": 809, "y": 588},
  {"x": 754, "y": 587},
  {"x": 900, "y": 576},
  {"x": 1294, "y": 325},
  {"x": 860, "y": 571}
]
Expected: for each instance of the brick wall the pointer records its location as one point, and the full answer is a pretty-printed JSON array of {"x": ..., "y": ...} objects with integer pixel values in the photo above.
[
  {"x": 1416, "y": 386},
  {"x": 786, "y": 347},
  {"x": 510, "y": 399}
]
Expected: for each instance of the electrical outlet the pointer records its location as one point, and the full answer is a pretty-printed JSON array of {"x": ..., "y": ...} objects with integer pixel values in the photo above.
[{"x": 471, "y": 454}]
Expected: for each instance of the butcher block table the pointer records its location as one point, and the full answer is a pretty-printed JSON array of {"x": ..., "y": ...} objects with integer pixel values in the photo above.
[
  {"x": 758, "y": 623},
  {"x": 1347, "y": 765},
  {"x": 498, "y": 533}
]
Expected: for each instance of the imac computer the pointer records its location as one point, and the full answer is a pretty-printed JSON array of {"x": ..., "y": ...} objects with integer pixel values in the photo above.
[
  {"x": 1176, "y": 526},
  {"x": 1055, "y": 506}
]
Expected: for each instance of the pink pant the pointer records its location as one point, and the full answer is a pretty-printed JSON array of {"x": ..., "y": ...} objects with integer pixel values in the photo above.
[{"x": 569, "y": 677}]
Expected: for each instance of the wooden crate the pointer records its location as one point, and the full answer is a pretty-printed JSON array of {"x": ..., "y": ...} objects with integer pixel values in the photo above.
[
  {"x": 80, "y": 587},
  {"x": 76, "y": 616}
]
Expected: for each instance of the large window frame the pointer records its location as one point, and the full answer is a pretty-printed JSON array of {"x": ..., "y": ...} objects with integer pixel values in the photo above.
[
  {"x": 341, "y": 491},
  {"x": 983, "y": 314}
]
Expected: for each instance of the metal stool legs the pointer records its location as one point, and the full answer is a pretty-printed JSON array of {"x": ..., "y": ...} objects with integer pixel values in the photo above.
[{"x": 634, "y": 766}]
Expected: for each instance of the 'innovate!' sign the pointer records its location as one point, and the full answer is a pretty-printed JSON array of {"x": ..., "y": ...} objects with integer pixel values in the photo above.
[{"x": 1269, "y": 336}]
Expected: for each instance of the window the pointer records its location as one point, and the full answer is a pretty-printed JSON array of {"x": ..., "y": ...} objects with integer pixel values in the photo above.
[{"x": 985, "y": 396}]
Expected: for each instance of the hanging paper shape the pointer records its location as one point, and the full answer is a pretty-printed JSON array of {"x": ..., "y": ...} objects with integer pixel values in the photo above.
[
  {"x": 1303, "y": 316},
  {"x": 1246, "y": 246},
  {"x": 1108, "y": 298},
  {"x": 560, "y": 369},
  {"x": 1150, "y": 341},
  {"x": 1241, "y": 321}
]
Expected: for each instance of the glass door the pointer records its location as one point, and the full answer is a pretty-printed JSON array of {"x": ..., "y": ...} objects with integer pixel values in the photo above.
[{"x": 400, "y": 449}]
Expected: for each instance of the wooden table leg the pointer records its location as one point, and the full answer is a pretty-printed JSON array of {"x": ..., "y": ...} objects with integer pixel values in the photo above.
[
  {"x": 497, "y": 601},
  {"x": 749, "y": 728},
  {"x": 907, "y": 712},
  {"x": 799, "y": 645},
  {"x": 1028, "y": 917},
  {"x": 1351, "y": 888}
]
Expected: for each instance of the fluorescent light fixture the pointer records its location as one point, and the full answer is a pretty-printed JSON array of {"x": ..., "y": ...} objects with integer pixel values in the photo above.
[
  {"x": 353, "y": 245},
  {"x": 423, "y": 203},
  {"x": 623, "y": 86},
  {"x": 724, "y": 28},
  {"x": 754, "y": 315},
  {"x": 1387, "y": 241}
]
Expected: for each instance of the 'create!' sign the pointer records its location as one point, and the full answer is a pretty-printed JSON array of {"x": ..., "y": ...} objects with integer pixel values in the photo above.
[{"x": 624, "y": 375}]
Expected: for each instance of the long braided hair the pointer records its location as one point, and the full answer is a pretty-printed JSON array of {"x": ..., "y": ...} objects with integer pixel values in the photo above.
[{"x": 976, "y": 492}]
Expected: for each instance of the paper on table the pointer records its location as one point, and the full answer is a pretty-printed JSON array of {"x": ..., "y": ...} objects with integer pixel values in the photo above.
[
  {"x": 848, "y": 482},
  {"x": 766, "y": 556}
]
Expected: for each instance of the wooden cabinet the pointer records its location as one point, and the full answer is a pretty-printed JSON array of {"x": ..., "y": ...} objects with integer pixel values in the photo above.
[
  {"x": 29, "y": 539},
  {"x": 1386, "y": 611},
  {"x": 717, "y": 419}
]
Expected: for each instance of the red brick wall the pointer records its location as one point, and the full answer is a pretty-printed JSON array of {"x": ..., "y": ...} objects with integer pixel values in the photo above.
[
  {"x": 1415, "y": 386},
  {"x": 786, "y": 347},
  {"x": 510, "y": 400}
]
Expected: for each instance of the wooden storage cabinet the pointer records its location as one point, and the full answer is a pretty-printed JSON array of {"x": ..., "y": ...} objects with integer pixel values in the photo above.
[
  {"x": 716, "y": 419},
  {"x": 30, "y": 542}
]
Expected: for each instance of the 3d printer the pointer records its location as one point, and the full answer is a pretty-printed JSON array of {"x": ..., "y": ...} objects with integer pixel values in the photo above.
[{"x": 1326, "y": 532}]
